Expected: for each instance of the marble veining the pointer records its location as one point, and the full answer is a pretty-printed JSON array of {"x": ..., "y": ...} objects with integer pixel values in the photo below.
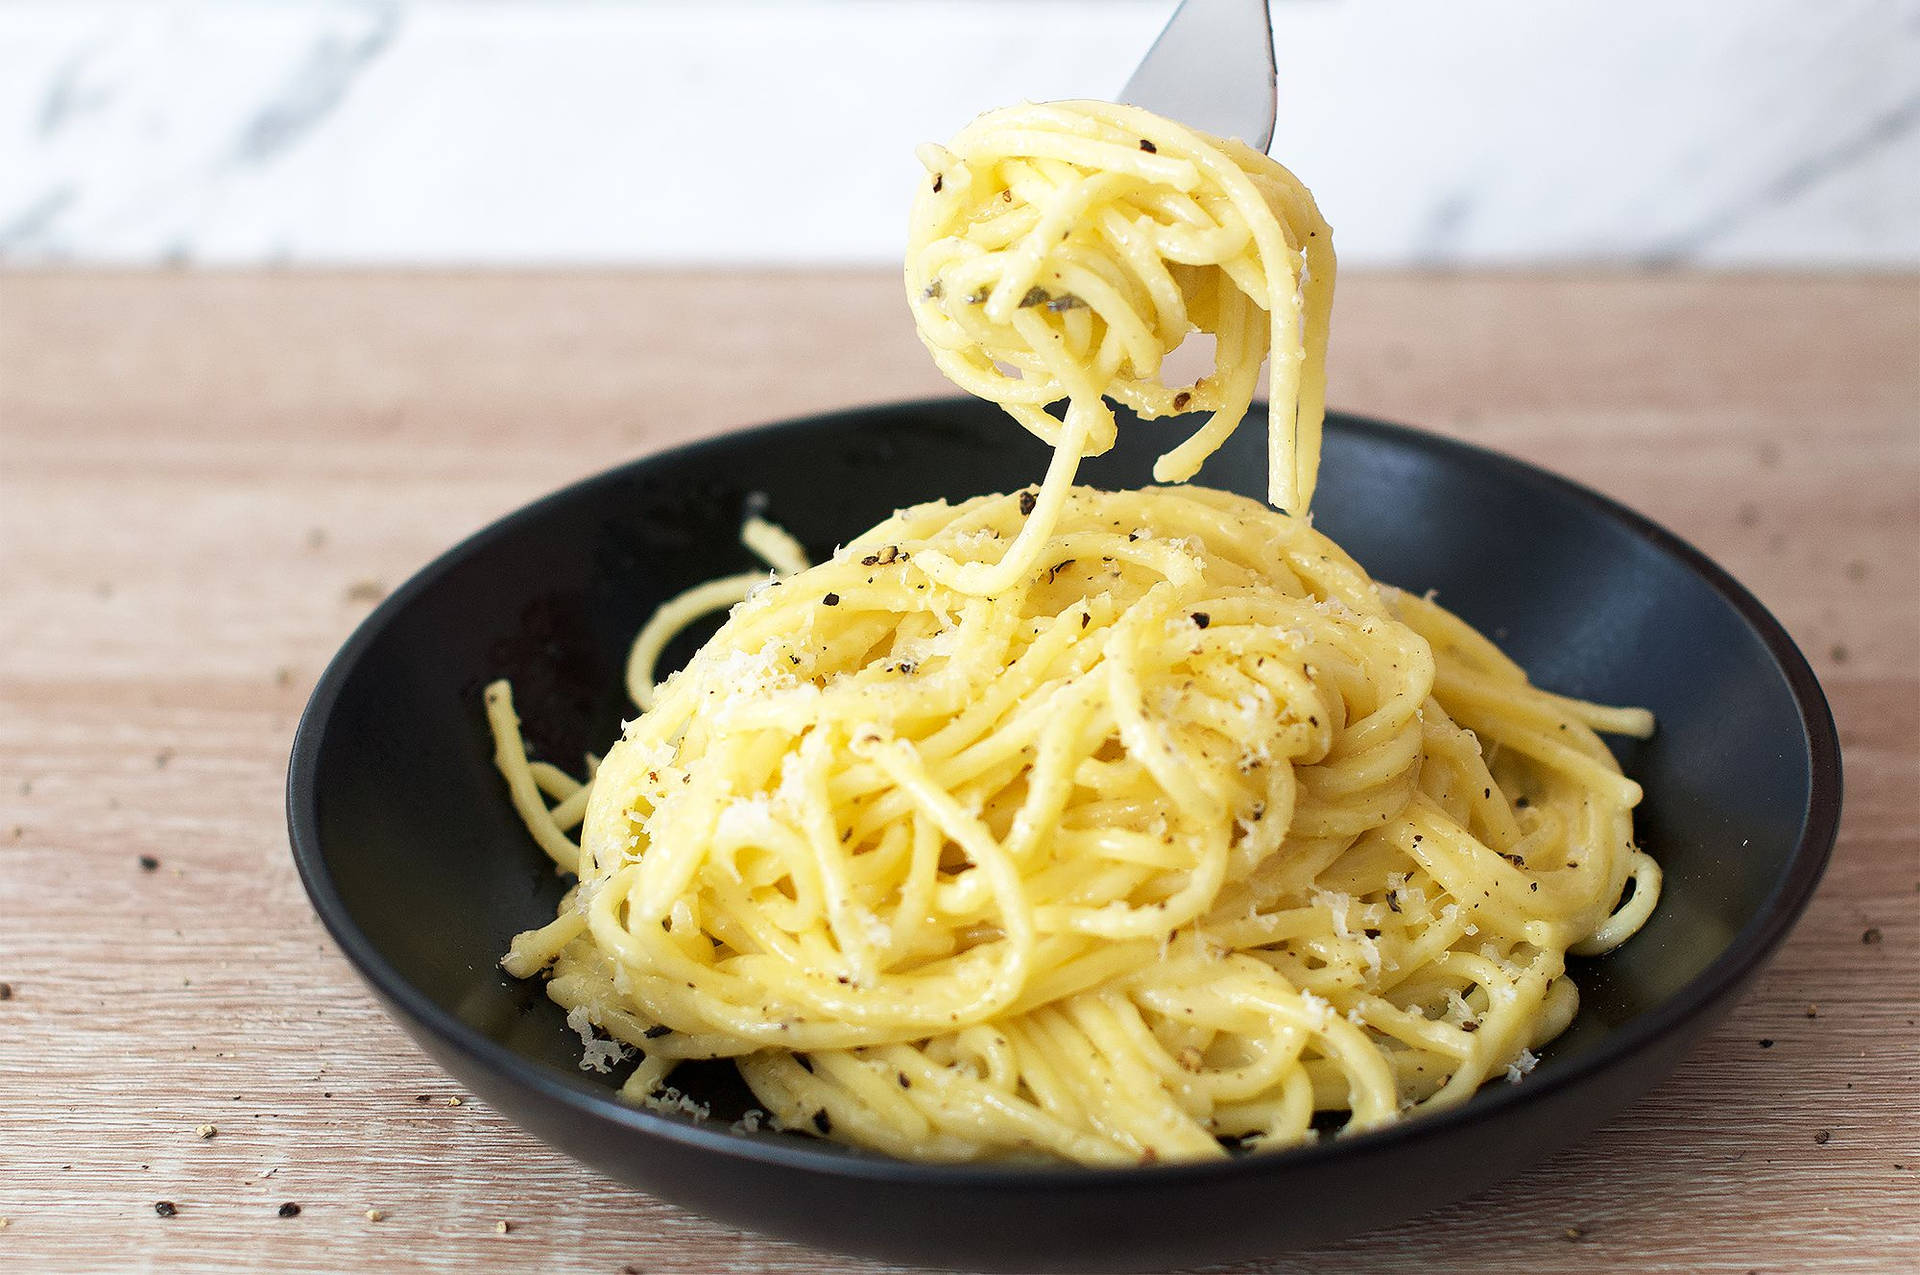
[
  {"x": 315, "y": 86},
  {"x": 70, "y": 96},
  {"x": 585, "y": 132},
  {"x": 1893, "y": 130}
]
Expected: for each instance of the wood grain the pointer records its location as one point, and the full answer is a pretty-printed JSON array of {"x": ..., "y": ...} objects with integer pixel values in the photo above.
[{"x": 205, "y": 480}]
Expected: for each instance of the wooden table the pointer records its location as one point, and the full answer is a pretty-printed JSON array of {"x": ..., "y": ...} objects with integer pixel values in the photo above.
[{"x": 208, "y": 479}]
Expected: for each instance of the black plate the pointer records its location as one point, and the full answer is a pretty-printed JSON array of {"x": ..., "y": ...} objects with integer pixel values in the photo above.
[{"x": 418, "y": 866}]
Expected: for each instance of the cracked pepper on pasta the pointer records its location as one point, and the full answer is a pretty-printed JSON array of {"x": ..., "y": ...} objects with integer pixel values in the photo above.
[{"x": 1093, "y": 826}]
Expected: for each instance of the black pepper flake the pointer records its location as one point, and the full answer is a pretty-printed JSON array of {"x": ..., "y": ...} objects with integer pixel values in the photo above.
[
  {"x": 289, "y": 1209},
  {"x": 1393, "y": 900},
  {"x": 1057, "y": 568},
  {"x": 1086, "y": 618},
  {"x": 1521, "y": 803},
  {"x": 823, "y": 1122},
  {"x": 6, "y": 991},
  {"x": 1149, "y": 147},
  {"x": 1822, "y": 1136},
  {"x": 1027, "y": 501},
  {"x": 1518, "y": 861},
  {"x": 932, "y": 291},
  {"x": 1871, "y": 935},
  {"x": 1202, "y": 619},
  {"x": 1372, "y": 934},
  {"x": 831, "y": 600},
  {"x": 149, "y": 864},
  {"x": 1181, "y": 400},
  {"x": 1035, "y": 296},
  {"x": 939, "y": 180},
  {"x": 656, "y": 1031},
  {"x": 165, "y": 1208},
  {"x": 1470, "y": 1026},
  {"x": 979, "y": 296},
  {"x": 1765, "y": 1043},
  {"x": 1066, "y": 301}
]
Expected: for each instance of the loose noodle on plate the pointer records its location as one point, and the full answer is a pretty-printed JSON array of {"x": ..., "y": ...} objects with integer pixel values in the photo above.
[{"x": 1098, "y": 826}]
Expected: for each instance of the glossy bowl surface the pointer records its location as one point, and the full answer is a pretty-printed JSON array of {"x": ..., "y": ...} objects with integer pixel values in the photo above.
[{"x": 418, "y": 866}]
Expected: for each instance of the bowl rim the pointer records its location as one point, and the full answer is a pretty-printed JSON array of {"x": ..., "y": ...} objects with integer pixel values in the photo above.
[{"x": 1749, "y": 948}]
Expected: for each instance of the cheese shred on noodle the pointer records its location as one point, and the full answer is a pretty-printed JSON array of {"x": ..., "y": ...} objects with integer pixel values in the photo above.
[{"x": 1095, "y": 826}]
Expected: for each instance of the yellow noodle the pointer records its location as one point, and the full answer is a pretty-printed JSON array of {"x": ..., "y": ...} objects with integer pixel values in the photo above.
[
  {"x": 1063, "y": 250},
  {"x": 1095, "y": 826},
  {"x": 1134, "y": 904}
]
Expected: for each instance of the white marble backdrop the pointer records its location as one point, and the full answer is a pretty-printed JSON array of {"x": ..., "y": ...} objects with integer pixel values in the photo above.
[{"x": 1436, "y": 132}]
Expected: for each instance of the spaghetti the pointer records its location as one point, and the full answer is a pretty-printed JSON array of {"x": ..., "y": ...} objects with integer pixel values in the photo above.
[
  {"x": 1064, "y": 250},
  {"x": 1192, "y": 834},
  {"x": 1098, "y": 826}
]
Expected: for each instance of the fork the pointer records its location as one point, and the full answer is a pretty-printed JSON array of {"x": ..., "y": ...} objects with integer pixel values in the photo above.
[{"x": 1212, "y": 68}]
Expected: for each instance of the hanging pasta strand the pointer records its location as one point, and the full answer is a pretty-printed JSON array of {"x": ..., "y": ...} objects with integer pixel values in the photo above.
[{"x": 1095, "y": 826}]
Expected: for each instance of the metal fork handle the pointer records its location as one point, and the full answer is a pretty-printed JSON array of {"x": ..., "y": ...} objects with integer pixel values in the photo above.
[{"x": 1212, "y": 69}]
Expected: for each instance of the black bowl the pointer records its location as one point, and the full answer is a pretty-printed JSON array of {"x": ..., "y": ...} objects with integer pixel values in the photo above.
[{"x": 417, "y": 864}]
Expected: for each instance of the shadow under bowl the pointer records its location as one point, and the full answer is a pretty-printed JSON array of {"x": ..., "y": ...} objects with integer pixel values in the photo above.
[{"x": 419, "y": 867}]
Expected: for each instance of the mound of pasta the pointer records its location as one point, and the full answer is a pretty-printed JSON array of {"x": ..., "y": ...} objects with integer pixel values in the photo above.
[
  {"x": 1098, "y": 826},
  {"x": 1190, "y": 834}
]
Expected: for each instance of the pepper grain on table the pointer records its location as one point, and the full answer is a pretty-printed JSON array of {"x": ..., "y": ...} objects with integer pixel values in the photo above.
[{"x": 207, "y": 480}]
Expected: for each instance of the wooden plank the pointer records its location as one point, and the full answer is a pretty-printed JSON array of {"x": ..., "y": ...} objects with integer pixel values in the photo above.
[{"x": 206, "y": 479}]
